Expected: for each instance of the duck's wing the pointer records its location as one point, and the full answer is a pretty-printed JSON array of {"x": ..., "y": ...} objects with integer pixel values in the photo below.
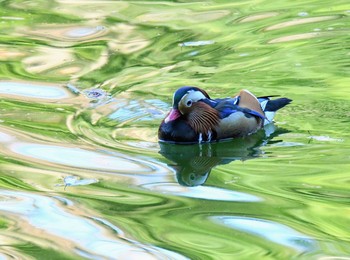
[
  {"x": 244, "y": 102},
  {"x": 225, "y": 106},
  {"x": 248, "y": 100}
]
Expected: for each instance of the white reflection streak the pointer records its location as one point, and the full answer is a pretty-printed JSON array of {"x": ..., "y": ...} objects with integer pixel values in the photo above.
[
  {"x": 202, "y": 192},
  {"x": 270, "y": 230},
  {"x": 5, "y": 138},
  {"x": 196, "y": 43},
  {"x": 81, "y": 32},
  {"x": 104, "y": 161},
  {"x": 44, "y": 213},
  {"x": 75, "y": 157},
  {"x": 32, "y": 90},
  {"x": 76, "y": 181}
]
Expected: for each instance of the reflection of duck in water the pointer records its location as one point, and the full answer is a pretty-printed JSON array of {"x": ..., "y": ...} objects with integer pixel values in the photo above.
[
  {"x": 196, "y": 118},
  {"x": 193, "y": 163}
]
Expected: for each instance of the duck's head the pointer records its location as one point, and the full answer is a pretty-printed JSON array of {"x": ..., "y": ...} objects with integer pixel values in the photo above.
[{"x": 183, "y": 100}]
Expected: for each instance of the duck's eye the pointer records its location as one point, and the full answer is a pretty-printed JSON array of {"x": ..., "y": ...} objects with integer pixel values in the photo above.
[{"x": 189, "y": 103}]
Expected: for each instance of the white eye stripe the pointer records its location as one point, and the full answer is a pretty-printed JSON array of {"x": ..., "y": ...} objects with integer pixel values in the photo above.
[{"x": 193, "y": 96}]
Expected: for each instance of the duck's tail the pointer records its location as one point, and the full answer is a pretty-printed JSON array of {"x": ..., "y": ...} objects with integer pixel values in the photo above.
[{"x": 270, "y": 106}]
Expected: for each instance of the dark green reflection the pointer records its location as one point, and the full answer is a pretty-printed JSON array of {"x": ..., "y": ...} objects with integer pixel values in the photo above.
[{"x": 193, "y": 163}]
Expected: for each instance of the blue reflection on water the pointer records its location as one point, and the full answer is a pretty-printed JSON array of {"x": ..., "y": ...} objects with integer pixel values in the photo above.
[
  {"x": 90, "y": 237},
  {"x": 76, "y": 181},
  {"x": 202, "y": 192},
  {"x": 78, "y": 157},
  {"x": 84, "y": 31},
  {"x": 196, "y": 43},
  {"x": 32, "y": 90},
  {"x": 270, "y": 230},
  {"x": 146, "y": 110}
]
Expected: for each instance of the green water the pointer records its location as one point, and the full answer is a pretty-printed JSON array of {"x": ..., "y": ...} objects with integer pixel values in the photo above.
[{"x": 84, "y": 87}]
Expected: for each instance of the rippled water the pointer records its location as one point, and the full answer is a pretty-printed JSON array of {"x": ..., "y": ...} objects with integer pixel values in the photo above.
[{"x": 84, "y": 86}]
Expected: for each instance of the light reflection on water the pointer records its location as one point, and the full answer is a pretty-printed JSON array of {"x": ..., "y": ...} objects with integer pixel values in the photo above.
[
  {"x": 32, "y": 90},
  {"x": 202, "y": 192},
  {"x": 139, "y": 170},
  {"x": 270, "y": 230},
  {"x": 84, "y": 32},
  {"x": 83, "y": 235},
  {"x": 6, "y": 138},
  {"x": 76, "y": 157}
]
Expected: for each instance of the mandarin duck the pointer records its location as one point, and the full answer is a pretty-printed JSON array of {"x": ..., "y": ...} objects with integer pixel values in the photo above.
[{"x": 196, "y": 118}]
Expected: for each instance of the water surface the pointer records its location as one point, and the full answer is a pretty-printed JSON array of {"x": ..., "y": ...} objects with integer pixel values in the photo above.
[{"x": 83, "y": 88}]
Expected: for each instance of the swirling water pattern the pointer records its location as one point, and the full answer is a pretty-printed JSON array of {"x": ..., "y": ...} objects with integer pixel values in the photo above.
[{"x": 84, "y": 86}]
